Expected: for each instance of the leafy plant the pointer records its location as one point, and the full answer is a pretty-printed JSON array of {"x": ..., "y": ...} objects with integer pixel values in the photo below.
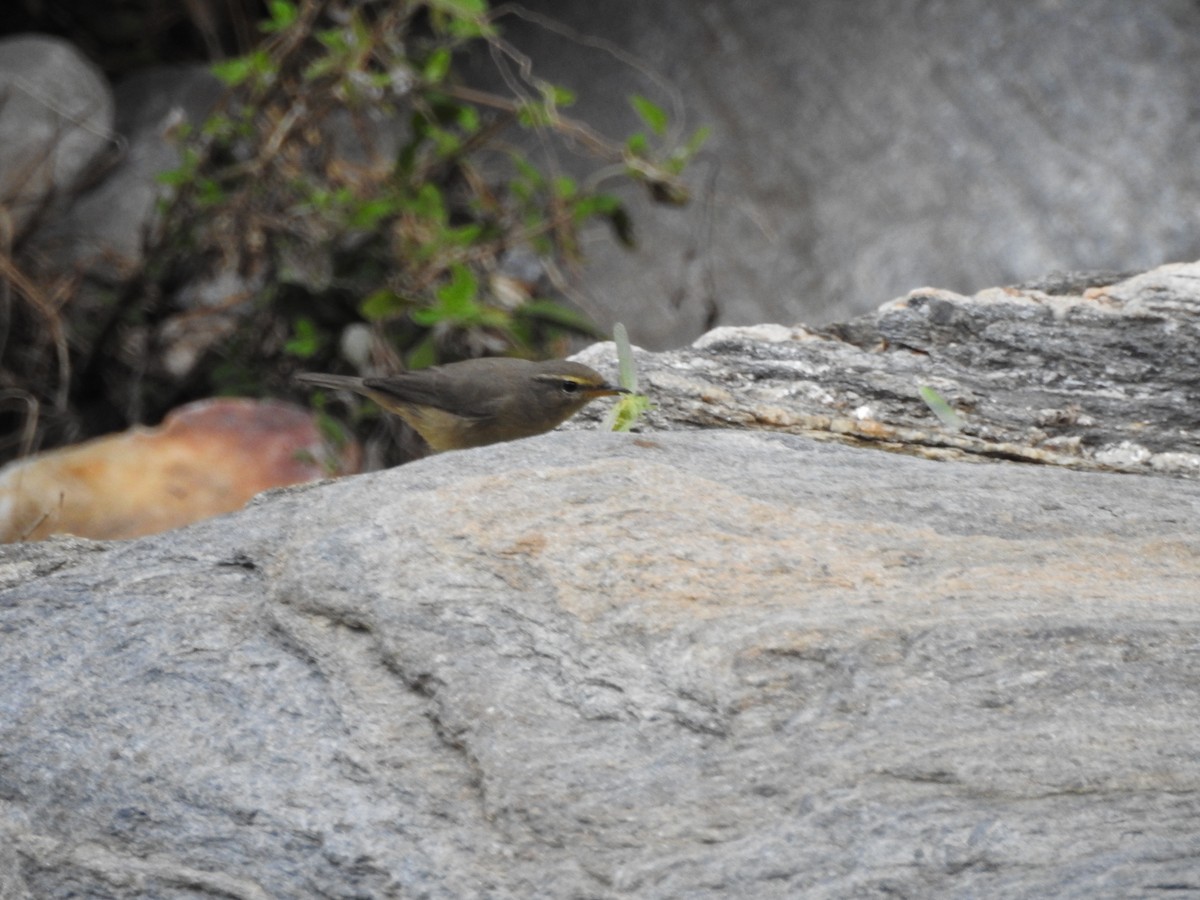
[
  {"x": 632, "y": 406},
  {"x": 350, "y": 177},
  {"x": 425, "y": 240}
]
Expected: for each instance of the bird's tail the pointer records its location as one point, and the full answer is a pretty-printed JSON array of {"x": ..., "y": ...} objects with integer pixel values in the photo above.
[{"x": 336, "y": 382}]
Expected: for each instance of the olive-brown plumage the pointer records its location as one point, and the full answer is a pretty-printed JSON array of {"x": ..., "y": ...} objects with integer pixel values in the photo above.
[{"x": 480, "y": 401}]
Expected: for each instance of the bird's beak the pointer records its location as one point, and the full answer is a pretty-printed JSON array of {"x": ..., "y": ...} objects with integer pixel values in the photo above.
[{"x": 607, "y": 390}]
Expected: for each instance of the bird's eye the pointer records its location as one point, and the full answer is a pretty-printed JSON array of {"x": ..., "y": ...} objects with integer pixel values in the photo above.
[{"x": 569, "y": 387}]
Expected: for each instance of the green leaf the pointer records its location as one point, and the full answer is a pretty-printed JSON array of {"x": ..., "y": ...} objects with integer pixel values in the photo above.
[
  {"x": 471, "y": 29},
  {"x": 595, "y": 205},
  {"x": 626, "y": 411},
  {"x": 468, "y": 119},
  {"x": 174, "y": 177},
  {"x": 940, "y": 408},
  {"x": 455, "y": 301},
  {"x": 681, "y": 156},
  {"x": 423, "y": 355},
  {"x": 429, "y": 204},
  {"x": 360, "y": 30},
  {"x": 565, "y": 187},
  {"x": 283, "y": 14},
  {"x": 319, "y": 68},
  {"x": 532, "y": 115},
  {"x": 233, "y": 72},
  {"x": 209, "y": 192},
  {"x": 333, "y": 38},
  {"x": 369, "y": 214},
  {"x": 652, "y": 114},
  {"x": 382, "y": 304},
  {"x": 448, "y": 143},
  {"x": 465, "y": 235},
  {"x": 458, "y": 294},
  {"x": 238, "y": 71},
  {"x": 305, "y": 340},
  {"x": 461, "y": 8},
  {"x": 526, "y": 168},
  {"x": 217, "y": 126},
  {"x": 559, "y": 96},
  {"x": 630, "y": 407},
  {"x": 437, "y": 66},
  {"x": 697, "y": 140}
]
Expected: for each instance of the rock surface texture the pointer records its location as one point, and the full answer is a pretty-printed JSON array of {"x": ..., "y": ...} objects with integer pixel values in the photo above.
[
  {"x": 1084, "y": 371},
  {"x": 705, "y": 664}
]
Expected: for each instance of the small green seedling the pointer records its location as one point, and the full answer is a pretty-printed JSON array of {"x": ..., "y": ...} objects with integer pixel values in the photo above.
[
  {"x": 629, "y": 407},
  {"x": 940, "y": 408}
]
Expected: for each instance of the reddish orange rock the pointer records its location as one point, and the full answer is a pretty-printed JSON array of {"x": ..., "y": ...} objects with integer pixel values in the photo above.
[{"x": 206, "y": 458}]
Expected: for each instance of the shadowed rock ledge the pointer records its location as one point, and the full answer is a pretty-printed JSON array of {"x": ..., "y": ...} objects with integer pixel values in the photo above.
[{"x": 706, "y": 664}]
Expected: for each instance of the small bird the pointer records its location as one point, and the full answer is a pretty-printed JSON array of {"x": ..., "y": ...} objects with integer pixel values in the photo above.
[{"x": 480, "y": 401}]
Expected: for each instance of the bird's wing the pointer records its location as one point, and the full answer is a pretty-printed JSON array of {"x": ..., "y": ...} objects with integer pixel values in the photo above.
[{"x": 469, "y": 398}]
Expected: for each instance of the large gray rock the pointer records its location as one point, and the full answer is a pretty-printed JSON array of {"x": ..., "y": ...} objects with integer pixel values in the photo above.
[
  {"x": 700, "y": 663},
  {"x": 587, "y": 665},
  {"x": 861, "y": 149},
  {"x": 1083, "y": 372},
  {"x": 56, "y": 124},
  {"x": 105, "y": 230}
]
